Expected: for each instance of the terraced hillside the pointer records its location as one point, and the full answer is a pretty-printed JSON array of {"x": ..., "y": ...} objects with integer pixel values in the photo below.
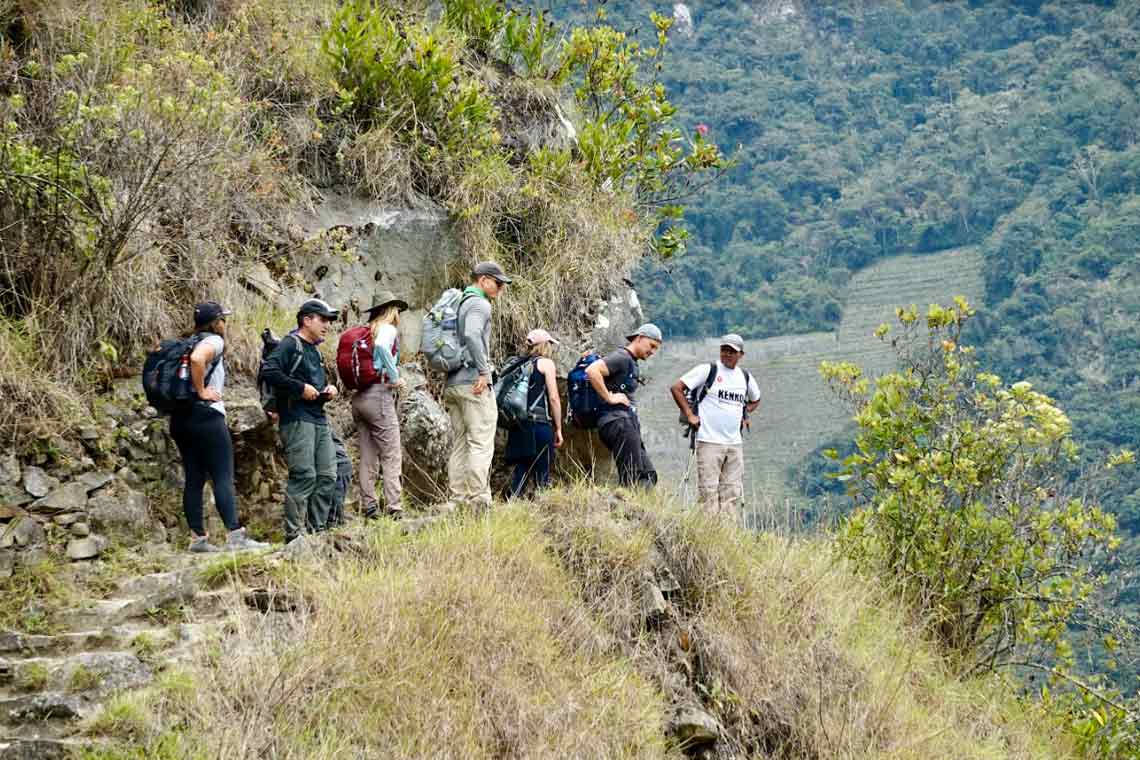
[{"x": 797, "y": 412}]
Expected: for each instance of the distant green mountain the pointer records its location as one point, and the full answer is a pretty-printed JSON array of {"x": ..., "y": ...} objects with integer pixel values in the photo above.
[{"x": 870, "y": 130}]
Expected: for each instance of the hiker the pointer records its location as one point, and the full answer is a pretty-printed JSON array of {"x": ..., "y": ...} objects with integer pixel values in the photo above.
[
  {"x": 468, "y": 398},
  {"x": 531, "y": 441},
  {"x": 203, "y": 439},
  {"x": 303, "y": 427},
  {"x": 614, "y": 378},
  {"x": 715, "y": 399},
  {"x": 343, "y": 481},
  {"x": 374, "y": 409}
]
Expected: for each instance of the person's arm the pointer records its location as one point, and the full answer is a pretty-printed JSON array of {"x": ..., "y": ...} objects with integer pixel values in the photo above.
[
  {"x": 474, "y": 321},
  {"x": 597, "y": 373},
  {"x": 752, "y": 392},
  {"x": 200, "y": 359},
  {"x": 382, "y": 359},
  {"x": 549, "y": 372},
  {"x": 681, "y": 397},
  {"x": 276, "y": 372}
]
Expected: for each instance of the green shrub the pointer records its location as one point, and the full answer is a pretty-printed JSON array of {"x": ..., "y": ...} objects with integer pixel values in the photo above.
[{"x": 960, "y": 488}]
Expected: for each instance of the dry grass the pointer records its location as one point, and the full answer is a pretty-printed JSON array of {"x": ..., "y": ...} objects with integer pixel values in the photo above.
[
  {"x": 521, "y": 635},
  {"x": 794, "y": 656}
]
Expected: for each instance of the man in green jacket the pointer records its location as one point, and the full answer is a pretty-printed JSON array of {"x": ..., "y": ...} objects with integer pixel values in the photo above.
[{"x": 296, "y": 370}]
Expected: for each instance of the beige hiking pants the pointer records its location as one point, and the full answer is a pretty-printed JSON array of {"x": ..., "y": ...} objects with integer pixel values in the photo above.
[
  {"x": 473, "y": 421},
  {"x": 378, "y": 434},
  {"x": 720, "y": 478}
]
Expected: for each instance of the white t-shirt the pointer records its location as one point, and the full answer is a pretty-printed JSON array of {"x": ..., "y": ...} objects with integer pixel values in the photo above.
[
  {"x": 723, "y": 407},
  {"x": 217, "y": 380}
]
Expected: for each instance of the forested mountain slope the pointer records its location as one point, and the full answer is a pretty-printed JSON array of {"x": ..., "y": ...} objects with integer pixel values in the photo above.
[{"x": 869, "y": 130}]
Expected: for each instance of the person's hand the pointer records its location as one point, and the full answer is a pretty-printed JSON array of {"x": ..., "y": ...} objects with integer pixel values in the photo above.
[
  {"x": 747, "y": 424},
  {"x": 399, "y": 385},
  {"x": 480, "y": 385},
  {"x": 694, "y": 421},
  {"x": 619, "y": 399},
  {"x": 309, "y": 393},
  {"x": 557, "y": 439},
  {"x": 210, "y": 394},
  {"x": 330, "y": 391},
  {"x": 273, "y": 417}
]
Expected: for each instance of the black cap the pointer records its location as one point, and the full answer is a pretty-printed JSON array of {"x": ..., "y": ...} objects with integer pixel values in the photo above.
[
  {"x": 490, "y": 269},
  {"x": 317, "y": 306},
  {"x": 207, "y": 311}
]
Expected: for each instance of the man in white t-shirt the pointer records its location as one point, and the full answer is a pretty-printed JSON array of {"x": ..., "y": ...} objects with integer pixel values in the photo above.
[{"x": 722, "y": 394}]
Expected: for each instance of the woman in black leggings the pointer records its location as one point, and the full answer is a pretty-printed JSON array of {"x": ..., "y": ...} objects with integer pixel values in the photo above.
[{"x": 203, "y": 439}]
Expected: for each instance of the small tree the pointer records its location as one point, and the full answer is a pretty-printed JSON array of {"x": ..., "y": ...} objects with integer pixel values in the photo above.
[{"x": 963, "y": 498}]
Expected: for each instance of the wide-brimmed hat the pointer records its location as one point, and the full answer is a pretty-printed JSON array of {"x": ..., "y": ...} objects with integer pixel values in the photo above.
[{"x": 384, "y": 299}]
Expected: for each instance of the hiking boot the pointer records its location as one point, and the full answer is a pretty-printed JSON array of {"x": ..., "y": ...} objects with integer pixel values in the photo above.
[
  {"x": 199, "y": 545},
  {"x": 237, "y": 540},
  {"x": 395, "y": 512},
  {"x": 372, "y": 513}
]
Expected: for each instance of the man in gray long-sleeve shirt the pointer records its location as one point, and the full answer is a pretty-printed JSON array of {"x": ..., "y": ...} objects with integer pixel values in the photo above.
[{"x": 468, "y": 397}]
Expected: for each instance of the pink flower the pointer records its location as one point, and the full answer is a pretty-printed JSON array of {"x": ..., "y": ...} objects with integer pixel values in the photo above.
[{"x": 702, "y": 129}]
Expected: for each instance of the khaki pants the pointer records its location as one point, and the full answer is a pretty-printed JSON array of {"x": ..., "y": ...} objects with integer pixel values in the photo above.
[
  {"x": 720, "y": 478},
  {"x": 473, "y": 421},
  {"x": 378, "y": 432}
]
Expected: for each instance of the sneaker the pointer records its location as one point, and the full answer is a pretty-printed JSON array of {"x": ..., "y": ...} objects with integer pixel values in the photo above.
[
  {"x": 395, "y": 512},
  {"x": 199, "y": 545},
  {"x": 237, "y": 540},
  {"x": 372, "y": 514}
]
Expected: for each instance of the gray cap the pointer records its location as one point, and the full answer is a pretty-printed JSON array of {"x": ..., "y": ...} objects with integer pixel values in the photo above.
[
  {"x": 490, "y": 269},
  {"x": 649, "y": 330},
  {"x": 732, "y": 340}
]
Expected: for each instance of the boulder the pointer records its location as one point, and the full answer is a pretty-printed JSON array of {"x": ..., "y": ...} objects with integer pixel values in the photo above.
[
  {"x": 80, "y": 529},
  {"x": 86, "y": 548},
  {"x": 70, "y": 497},
  {"x": 123, "y": 510},
  {"x": 404, "y": 250},
  {"x": 93, "y": 481},
  {"x": 425, "y": 432},
  {"x": 9, "y": 511},
  {"x": 38, "y": 483},
  {"x": 693, "y": 726},
  {"x": 244, "y": 414},
  {"x": 653, "y": 606},
  {"x": 9, "y": 468},
  {"x": 13, "y": 495},
  {"x": 22, "y": 532}
]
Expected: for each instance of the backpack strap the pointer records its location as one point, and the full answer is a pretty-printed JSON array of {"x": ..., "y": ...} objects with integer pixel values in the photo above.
[
  {"x": 459, "y": 320},
  {"x": 300, "y": 353},
  {"x": 703, "y": 390}
]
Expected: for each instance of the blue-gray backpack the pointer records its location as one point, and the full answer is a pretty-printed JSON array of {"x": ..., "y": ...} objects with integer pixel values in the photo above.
[
  {"x": 442, "y": 340},
  {"x": 512, "y": 394}
]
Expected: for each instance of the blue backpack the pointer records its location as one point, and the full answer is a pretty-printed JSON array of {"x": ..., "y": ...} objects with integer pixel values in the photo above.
[{"x": 584, "y": 402}]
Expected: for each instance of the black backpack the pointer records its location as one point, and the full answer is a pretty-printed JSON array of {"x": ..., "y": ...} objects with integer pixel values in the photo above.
[
  {"x": 268, "y": 343},
  {"x": 697, "y": 395},
  {"x": 166, "y": 375}
]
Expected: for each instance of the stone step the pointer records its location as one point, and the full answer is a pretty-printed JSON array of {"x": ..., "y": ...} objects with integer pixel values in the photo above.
[
  {"x": 18, "y": 748},
  {"x": 43, "y": 706},
  {"x": 137, "y": 598},
  {"x": 91, "y": 674}
]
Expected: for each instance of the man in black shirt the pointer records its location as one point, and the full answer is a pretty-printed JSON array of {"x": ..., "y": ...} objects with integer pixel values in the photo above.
[
  {"x": 296, "y": 370},
  {"x": 614, "y": 378}
]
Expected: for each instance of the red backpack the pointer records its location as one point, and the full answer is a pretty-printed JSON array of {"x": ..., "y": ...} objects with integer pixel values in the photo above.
[{"x": 354, "y": 358}]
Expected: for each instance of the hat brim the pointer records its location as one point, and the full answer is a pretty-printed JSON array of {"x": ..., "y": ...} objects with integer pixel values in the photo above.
[
  {"x": 400, "y": 304},
  {"x": 502, "y": 279},
  {"x": 737, "y": 349}
]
